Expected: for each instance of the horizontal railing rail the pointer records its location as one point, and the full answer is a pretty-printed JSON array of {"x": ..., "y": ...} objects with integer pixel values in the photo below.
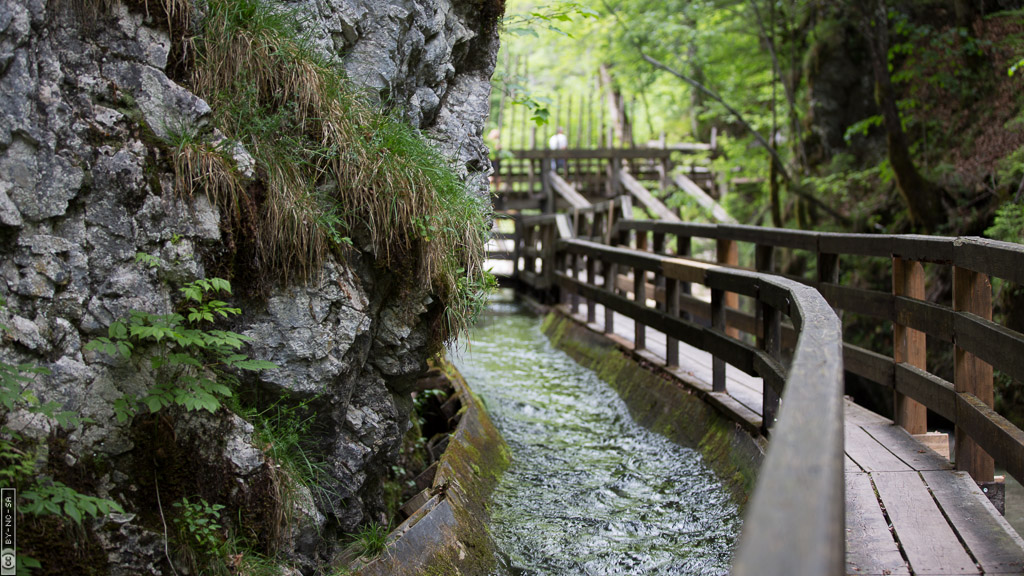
[
  {"x": 794, "y": 524},
  {"x": 980, "y": 344}
]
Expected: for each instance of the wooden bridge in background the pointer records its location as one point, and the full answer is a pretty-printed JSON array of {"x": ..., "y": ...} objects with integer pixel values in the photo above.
[
  {"x": 842, "y": 490},
  {"x": 560, "y": 180}
]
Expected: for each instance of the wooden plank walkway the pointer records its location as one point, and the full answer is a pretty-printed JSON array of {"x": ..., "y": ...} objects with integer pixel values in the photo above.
[{"x": 907, "y": 511}]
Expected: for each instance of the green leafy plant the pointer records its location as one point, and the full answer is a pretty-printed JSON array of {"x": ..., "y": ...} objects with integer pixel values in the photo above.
[
  {"x": 56, "y": 498},
  {"x": 39, "y": 494},
  {"x": 199, "y": 522},
  {"x": 191, "y": 360},
  {"x": 1008, "y": 224}
]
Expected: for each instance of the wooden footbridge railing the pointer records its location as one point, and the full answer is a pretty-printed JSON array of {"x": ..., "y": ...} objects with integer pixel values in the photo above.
[
  {"x": 795, "y": 522},
  {"x": 979, "y": 343}
]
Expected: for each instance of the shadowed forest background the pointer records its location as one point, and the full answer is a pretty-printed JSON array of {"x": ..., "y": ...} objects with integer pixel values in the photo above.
[{"x": 877, "y": 116}]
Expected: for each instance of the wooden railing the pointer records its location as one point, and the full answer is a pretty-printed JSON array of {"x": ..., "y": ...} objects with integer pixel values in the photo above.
[
  {"x": 536, "y": 236},
  {"x": 805, "y": 462},
  {"x": 795, "y": 521},
  {"x": 979, "y": 343}
]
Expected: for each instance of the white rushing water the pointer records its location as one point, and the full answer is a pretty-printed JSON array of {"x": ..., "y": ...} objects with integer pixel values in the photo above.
[{"x": 589, "y": 491}]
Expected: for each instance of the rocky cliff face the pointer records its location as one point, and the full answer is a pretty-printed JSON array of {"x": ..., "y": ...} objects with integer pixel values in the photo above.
[{"x": 84, "y": 186}]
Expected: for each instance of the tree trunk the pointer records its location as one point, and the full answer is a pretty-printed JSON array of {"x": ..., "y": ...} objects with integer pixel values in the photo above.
[
  {"x": 965, "y": 13},
  {"x": 922, "y": 197},
  {"x": 616, "y": 113}
]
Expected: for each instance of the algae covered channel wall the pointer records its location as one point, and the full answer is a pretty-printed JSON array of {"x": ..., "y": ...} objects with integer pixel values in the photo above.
[{"x": 589, "y": 490}]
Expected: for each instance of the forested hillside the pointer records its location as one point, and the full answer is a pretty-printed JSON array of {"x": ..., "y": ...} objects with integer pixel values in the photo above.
[{"x": 875, "y": 116}]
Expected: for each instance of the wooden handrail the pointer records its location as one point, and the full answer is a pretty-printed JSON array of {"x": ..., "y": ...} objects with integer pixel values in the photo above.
[
  {"x": 981, "y": 344},
  {"x": 794, "y": 524}
]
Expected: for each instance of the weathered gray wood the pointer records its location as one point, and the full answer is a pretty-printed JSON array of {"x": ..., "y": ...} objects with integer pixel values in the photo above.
[
  {"x": 922, "y": 248},
  {"x": 859, "y": 301},
  {"x": 1000, "y": 259},
  {"x": 906, "y": 448},
  {"x": 933, "y": 319},
  {"x": 688, "y": 229},
  {"x": 567, "y": 192},
  {"x": 871, "y": 365},
  {"x": 778, "y": 237},
  {"x": 782, "y": 533},
  {"x": 928, "y": 541},
  {"x": 707, "y": 202},
  {"x": 879, "y": 245},
  {"x": 998, "y": 345},
  {"x": 597, "y": 154},
  {"x": 995, "y": 434},
  {"x": 992, "y": 542},
  {"x": 870, "y": 548},
  {"x": 928, "y": 389},
  {"x": 656, "y": 208},
  {"x": 869, "y": 454}
]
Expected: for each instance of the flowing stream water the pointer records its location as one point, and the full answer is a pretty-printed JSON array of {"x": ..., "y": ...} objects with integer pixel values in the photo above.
[{"x": 589, "y": 491}]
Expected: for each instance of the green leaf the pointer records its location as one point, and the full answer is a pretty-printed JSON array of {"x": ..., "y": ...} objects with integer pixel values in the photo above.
[
  {"x": 154, "y": 403},
  {"x": 72, "y": 511}
]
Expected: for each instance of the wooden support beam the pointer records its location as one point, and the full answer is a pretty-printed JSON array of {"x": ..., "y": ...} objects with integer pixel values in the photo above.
[
  {"x": 702, "y": 198},
  {"x": 610, "y": 271},
  {"x": 718, "y": 321},
  {"x": 591, "y": 304},
  {"x": 672, "y": 305},
  {"x": 972, "y": 292},
  {"x": 771, "y": 342},
  {"x": 909, "y": 345},
  {"x": 728, "y": 253},
  {"x": 640, "y": 297},
  {"x": 644, "y": 196},
  {"x": 566, "y": 191}
]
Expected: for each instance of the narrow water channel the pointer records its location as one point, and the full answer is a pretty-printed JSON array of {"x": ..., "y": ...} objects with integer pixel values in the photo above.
[{"x": 589, "y": 491}]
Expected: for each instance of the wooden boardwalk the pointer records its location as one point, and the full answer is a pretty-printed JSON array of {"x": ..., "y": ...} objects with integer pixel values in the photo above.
[{"x": 907, "y": 511}]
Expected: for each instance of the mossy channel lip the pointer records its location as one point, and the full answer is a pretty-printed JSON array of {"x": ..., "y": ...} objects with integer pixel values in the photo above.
[
  {"x": 448, "y": 534},
  {"x": 661, "y": 401}
]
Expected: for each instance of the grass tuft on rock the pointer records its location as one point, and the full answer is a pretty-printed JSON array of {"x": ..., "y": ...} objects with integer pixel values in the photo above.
[{"x": 332, "y": 168}]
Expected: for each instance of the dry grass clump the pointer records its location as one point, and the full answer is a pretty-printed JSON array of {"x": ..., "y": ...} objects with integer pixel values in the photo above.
[{"x": 331, "y": 165}]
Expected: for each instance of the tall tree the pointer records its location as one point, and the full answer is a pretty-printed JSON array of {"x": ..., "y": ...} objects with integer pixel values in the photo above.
[{"x": 922, "y": 197}]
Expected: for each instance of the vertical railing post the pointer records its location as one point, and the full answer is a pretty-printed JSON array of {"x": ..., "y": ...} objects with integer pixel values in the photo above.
[
  {"x": 550, "y": 233},
  {"x": 672, "y": 307},
  {"x": 771, "y": 342},
  {"x": 591, "y": 303},
  {"x": 640, "y": 297},
  {"x": 658, "y": 247},
  {"x": 972, "y": 292},
  {"x": 530, "y": 255},
  {"x": 610, "y": 270},
  {"x": 764, "y": 261},
  {"x": 546, "y": 187},
  {"x": 909, "y": 345},
  {"x": 516, "y": 248},
  {"x": 573, "y": 261},
  {"x": 684, "y": 248},
  {"x": 718, "y": 323},
  {"x": 728, "y": 253}
]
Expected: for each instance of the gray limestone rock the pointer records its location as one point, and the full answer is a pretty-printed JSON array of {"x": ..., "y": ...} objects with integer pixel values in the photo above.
[{"x": 86, "y": 183}]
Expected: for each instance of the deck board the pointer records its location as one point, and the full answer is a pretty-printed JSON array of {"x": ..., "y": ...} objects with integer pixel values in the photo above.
[
  {"x": 995, "y": 545},
  {"x": 905, "y": 447},
  {"x": 931, "y": 546},
  {"x": 869, "y": 454},
  {"x": 870, "y": 546},
  {"x": 916, "y": 486}
]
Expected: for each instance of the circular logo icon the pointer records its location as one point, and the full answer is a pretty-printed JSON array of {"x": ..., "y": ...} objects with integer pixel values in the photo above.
[{"x": 7, "y": 560}]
